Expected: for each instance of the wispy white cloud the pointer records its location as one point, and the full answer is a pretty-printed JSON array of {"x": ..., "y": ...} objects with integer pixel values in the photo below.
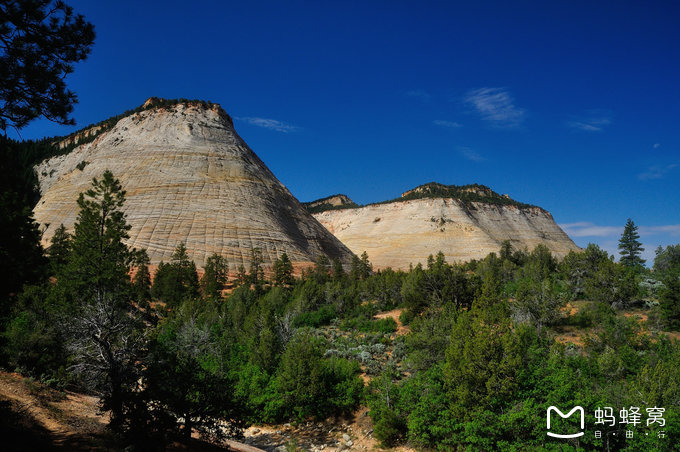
[
  {"x": 591, "y": 121},
  {"x": 589, "y": 127},
  {"x": 587, "y": 229},
  {"x": 419, "y": 94},
  {"x": 496, "y": 106},
  {"x": 449, "y": 124},
  {"x": 271, "y": 124},
  {"x": 470, "y": 154},
  {"x": 670, "y": 229},
  {"x": 657, "y": 145},
  {"x": 657, "y": 171}
]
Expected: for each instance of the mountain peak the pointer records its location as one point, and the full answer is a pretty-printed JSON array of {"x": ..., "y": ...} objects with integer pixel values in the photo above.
[
  {"x": 189, "y": 178},
  {"x": 465, "y": 193},
  {"x": 339, "y": 201}
]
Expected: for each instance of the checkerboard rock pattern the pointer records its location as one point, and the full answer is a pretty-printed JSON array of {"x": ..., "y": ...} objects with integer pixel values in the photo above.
[
  {"x": 189, "y": 178},
  {"x": 398, "y": 234}
]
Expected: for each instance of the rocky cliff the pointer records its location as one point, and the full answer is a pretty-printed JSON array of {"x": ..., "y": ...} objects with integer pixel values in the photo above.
[
  {"x": 189, "y": 177},
  {"x": 463, "y": 222},
  {"x": 329, "y": 203}
]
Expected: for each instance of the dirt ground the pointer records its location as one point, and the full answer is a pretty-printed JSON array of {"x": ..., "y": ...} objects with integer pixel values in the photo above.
[
  {"x": 394, "y": 314},
  {"x": 58, "y": 419},
  {"x": 337, "y": 434},
  {"x": 48, "y": 419},
  {"x": 34, "y": 417}
]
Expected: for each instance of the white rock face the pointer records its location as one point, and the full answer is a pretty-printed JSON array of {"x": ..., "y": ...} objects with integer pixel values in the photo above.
[
  {"x": 400, "y": 233},
  {"x": 189, "y": 177}
]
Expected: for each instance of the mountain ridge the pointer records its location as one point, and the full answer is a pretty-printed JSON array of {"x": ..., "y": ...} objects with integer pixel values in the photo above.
[
  {"x": 190, "y": 178},
  {"x": 468, "y": 194},
  {"x": 404, "y": 232}
]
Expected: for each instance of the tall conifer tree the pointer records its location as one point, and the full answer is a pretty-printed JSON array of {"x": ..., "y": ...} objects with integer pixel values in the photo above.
[
  {"x": 630, "y": 247},
  {"x": 105, "y": 337}
]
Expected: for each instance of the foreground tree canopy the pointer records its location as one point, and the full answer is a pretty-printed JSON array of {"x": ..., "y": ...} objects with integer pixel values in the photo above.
[{"x": 40, "y": 40}]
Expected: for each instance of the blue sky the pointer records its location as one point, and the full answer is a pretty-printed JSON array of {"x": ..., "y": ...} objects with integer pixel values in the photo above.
[{"x": 570, "y": 105}]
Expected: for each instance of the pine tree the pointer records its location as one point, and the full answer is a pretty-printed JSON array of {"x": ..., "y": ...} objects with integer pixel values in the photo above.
[
  {"x": 105, "y": 337},
  {"x": 256, "y": 275},
  {"x": 667, "y": 260},
  {"x": 100, "y": 261},
  {"x": 241, "y": 276},
  {"x": 214, "y": 277},
  {"x": 366, "y": 267},
  {"x": 176, "y": 281},
  {"x": 506, "y": 250},
  {"x": 360, "y": 268},
  {"x": 39, "y": 43},
  {"x": 630, "y": 247},
  {"x": 355, "y": 268},
  {"x": 338, "y": 270},
  {"x": 141, "y": 283},
  {"x": 21, "y": 256},
  {"x": 283, "y": 271},
  {"x": 59, "y": 250},
  {"x": 669, "y": 301},
  {"x": 322, "y": 268}
]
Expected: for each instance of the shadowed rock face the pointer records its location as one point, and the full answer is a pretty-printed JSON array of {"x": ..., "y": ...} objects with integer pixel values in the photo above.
[
  {"x": 399, "y": 233},
  {"x": 189, "y": 178}
]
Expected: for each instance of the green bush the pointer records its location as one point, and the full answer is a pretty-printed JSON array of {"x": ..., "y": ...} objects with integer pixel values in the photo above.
[
  {"x": 316, "y": 319},
  {"x": 389, "y": 429},
  {"x": 385, "y": 326},
  {"x": 308, "y": 385}
]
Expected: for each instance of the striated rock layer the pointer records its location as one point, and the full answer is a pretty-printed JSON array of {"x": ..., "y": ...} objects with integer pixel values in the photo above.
[
  {"x": 189, "y": 178},
  {"x": 400, "y": 233}
]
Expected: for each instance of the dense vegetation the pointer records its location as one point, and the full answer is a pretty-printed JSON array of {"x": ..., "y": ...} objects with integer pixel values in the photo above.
[
  {"x": 477, "y": 370},
  {"x": 467, "y": 194}
]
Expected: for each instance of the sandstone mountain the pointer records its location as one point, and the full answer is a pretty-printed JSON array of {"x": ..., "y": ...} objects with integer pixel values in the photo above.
[
  {"x": 189, "y": 178},
  {"x": 464, "y": 222}
]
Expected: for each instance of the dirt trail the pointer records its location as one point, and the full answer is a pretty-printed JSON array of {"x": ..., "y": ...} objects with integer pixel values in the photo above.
[
  {"x": 354, "y": 433},
  {"x": 64, "y": 419},
  {"x": 37, "y": 417},
  {"x": 394, "y": 314}
]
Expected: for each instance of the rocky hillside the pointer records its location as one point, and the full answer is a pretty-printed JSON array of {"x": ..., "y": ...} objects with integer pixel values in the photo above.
[
  {"x": 189, "y": 177},
  {"x": 330, "y": 203},
  {"x": 464, "y": 222}
]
